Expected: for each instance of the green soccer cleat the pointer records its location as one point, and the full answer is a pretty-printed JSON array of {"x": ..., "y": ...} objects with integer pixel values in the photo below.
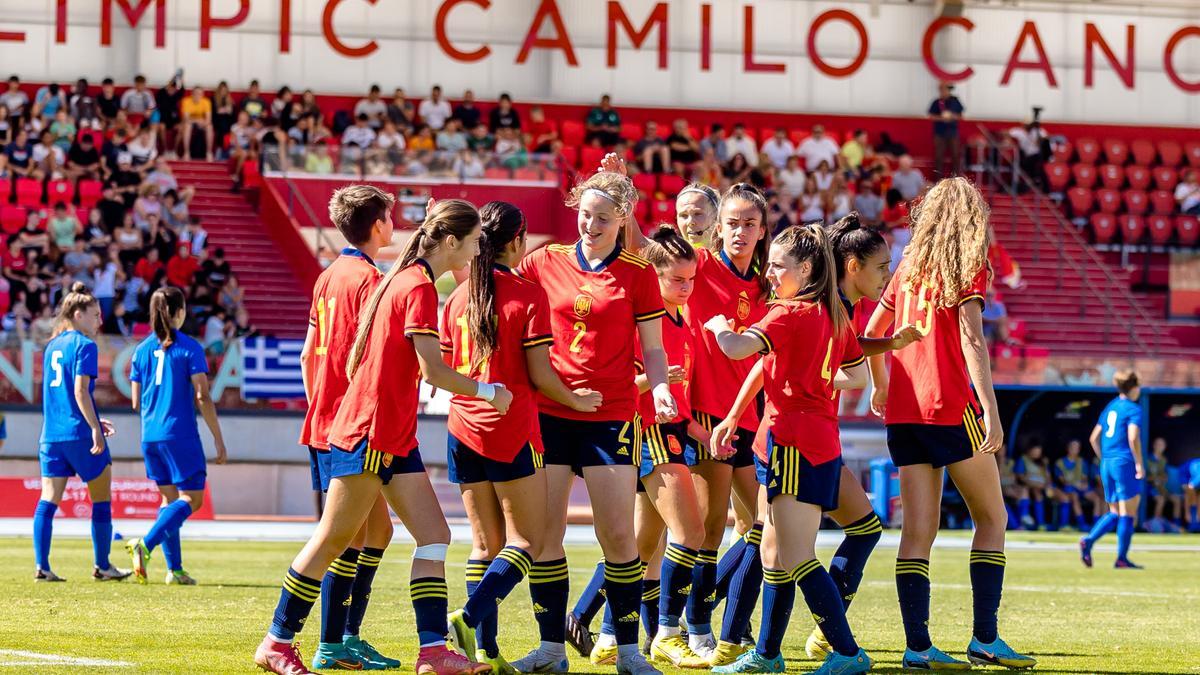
[
  {"x": 931, "y": 659},
  {"x": 335, "y": 657},
  {"x": 140, "y": 555},
  {"x": 180, "y": 578},
  {"x": 817, "y": 647},
  {"x": 371, "y": 658},
  {"x": 753, "y": 662},
  {"x": 500, "y": 666},
  {"x": 461, "y": 635},
  {"x": 998, "y": 653}
]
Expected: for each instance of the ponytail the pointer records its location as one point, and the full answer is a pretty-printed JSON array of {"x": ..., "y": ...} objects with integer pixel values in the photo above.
[
  {"x": 500, "y": 224},
  {"x": 810, "y": 242},
  {"x": 665, "y": 247},
  {"x": 77, "y": 299},
  {"x": 849, "y": 238},
  {"x": 165, "y": 303}
]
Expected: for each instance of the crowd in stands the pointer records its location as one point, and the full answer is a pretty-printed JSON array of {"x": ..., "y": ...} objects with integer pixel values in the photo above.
[{"x": 87, "y": 194}]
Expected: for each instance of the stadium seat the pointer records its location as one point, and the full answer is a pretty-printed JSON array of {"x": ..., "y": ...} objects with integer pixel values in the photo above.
[
  {"x": 642, "y": 213},
  {"x": 60, "y": 191},
  {"x": 1138, "y": 177},
  {"x": 29, "y": 193},
  {"x": 671, "y": 185},
  {"x": 662, "y": 211},
  {"x": 1188, "y": 229},
  {"x": 1063, "y": 151},
  {"x": 1116, "y": 151},
  {"x": 589, "y": 159},
  {"x": 1136, "y": 202},
  {"x": 632, "y": 131},
  {"x": 1165, "y": 177},
  {"x": 570, "y": 155},
  {"x": 1143, "y": 152},
  {"x": 1192, "y": 150},
  {"x": 797, "y": 136},
  {"x": 1170, "y": 153},
  {"x": 1162, "y": 202},
  {"x": 12, "y": 218},
  {"x": 1104, "y": 227},
  {"x": 572, "y": 133},
  {"x": 1081, "y": 203},
  {"x": 1058, "y": 175},
  {"x": 1088, "y": 149},
  {"x": 646, "y": 183},
  {"x": 497, "y": 173},
  {"x": 764, "y": 134},
  {"x": 90, "y": 192},
  {"x": 1085, "y": 175},
  {"x": 1161, "y": 229},
  {"x": 528, "y": 173},
  {"x": 5, "y": 191},
  {"x": 1108, "y": 201},
  {"x": 1112, "y": 176},
  {"x": 1133, "y": 229}
]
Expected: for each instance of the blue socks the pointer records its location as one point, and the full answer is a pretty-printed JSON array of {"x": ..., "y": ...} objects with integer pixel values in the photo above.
[
  {"x": 170, "y": 519},
  {"x": 430, "y": 602},
  {"x": 592, "y": 599},
  {"x": 1103, "y": 526},
  {"x": 1023, "y": 510},
  {"x": 1064, "y": 514},
  {"x": 987, "y": 582},
  {"x": 825, "y": 603},
  {"x": 360, "y": 595},
  {"x": 1039, "y": 512},
  {"x": 43, "y": 526},
  {"x": 729, "y": 564},
  {"x": 704, "y": 592},
  {"x": 549, "y": 586},
  {"x": 295, "y": 602},
  {"x": 622, "y": 585},
  {"x": 501, "y": 576},
  {"x": 912, "y": 586},
  {"x": 335, "y": 596},
  {"x": 744, "y": 587},
  {"x": 172, "y": 548},
  {"x": 850, "y": 560},
  {"x": 649, "y": 610},
  {"x": 778, "y": 596},
  {"x": 678, "y": 570},
  {"x": 485, "y": 630},
  {"x": 1124, "y": 537},
  {"x": 102, "y": 529}
]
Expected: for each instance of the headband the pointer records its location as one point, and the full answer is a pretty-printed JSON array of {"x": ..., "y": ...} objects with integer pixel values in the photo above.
[
  {"x": 601, "y": 193},
  {"x": 707, "y": 195}
]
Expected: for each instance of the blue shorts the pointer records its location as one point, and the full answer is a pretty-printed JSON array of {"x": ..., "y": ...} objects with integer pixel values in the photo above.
[
  {"x": 72, "y": 458},
  {"x": 318, "y": 466},
  {"x": 467, "y": 466},
  {"x": 790, "y": 473},
  {"x": 583, "y": 443},
  {"x": 362, "y": 459},
  {"x": 760, "y": 471},
  {"x": 743, "y": 445},
  {"x": 178, "y": 462},
  {"x": 1193, "y": 479},
  {"x": 1120, "y": 482},
  {"x": 662, "y": 444},
  {"x": 938, "y": 445}
]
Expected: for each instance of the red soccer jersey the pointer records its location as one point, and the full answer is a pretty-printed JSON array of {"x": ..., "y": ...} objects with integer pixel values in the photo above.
[
  {"x": 522, "y": 322},
  {"x": 381, "y": 402},
  {"x": 593, "y": 315},
  {"x": 677, "y": 343},
  {"x": 719, "y": 289},
  {"x": 929, "y": 382},
  {"x": 804, "y": 355},
  {"x": 339, "y": 294}
]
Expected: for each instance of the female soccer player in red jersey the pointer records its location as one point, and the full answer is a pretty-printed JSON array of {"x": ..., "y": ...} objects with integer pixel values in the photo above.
[
  {"x": 932, "y": 422},
  {"x": 602, "y": 298},
  {"x": 696, "y": 213},
  {"x": 812, "y": 352},
  {"x": 496, "y": 327},
  {"x": 373, "y": 443}
]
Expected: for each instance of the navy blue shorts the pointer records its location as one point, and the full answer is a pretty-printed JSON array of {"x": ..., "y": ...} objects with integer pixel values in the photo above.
[
  {"x": 1120, "y": 481},
  {"x": 318, "y": 466},
  {"x": 662, "y": 444},
  {"x": 790, "y": 473},
  {"x": 72, "y": 458},
  {"x": 583, "y": 443},
  {"x": 365, "y": 460},
  {"x": 467, "y": 466},
  {"x": 176, "y": 462},
  {"x": 743, "y": 445},
  {"x": 938, "y": 445}
]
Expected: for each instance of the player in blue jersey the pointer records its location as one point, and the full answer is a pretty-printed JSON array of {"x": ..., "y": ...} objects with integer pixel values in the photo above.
[
  {"x": 1190, "y": 477},
  {"x": 73, "y": 434},
  {"x": 169, "y": 375},
  {"x": 1071, "y": 474},
  {"x": 1117, "y": 440}
]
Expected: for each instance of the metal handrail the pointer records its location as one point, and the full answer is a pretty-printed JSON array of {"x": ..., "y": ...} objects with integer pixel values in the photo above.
[{"x": 1021, "y": 179}]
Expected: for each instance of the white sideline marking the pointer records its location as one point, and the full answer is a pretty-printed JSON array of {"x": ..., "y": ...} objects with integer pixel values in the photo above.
[{"x": 38, "y": 659}]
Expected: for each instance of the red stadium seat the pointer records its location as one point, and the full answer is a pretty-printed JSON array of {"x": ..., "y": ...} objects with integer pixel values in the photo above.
[
  {"x": 1063, "y": 151},
  {"x": 528, "y": 173},
  {"x": 570, "y": 155},
  {"x": 60, "y": 191},
  {"x": 662, "y": 211},
  {"x": 1143, "y": 152},
  {"x": 589, "y": 159},
  {"x": 1112, "y": 176},
  {"x": 1059, "y": 175},
  {"x": 90, "y": 192},
  {"x": 29, "y": 193},
  {"x": 671, "y": 185},
  {"x": 5, "y": 190},
  {"x": 1085, "y": 175},
  {"x": 1188, "y": 229},
  {"x": 1108, "y": 201},
  {"x": 694, "y": 132},
  {"x": 1192, "y": 150},
  {"x": 1138, "y": 177},
  {"x": 797, "y": 136},
  {"x": 1088, "y": 149},
  {"x": 12, "y": 218},
  {"x": 1170, "y": 153},
  {"x": 1165, "y": 177},
  {"x": 764, "y": 134},
  {"x": 647, "y": 184},
  {"x": 1162, "y": 202},
  {"x": 1136, "y": 202},
  {"x": 572, "y": 132},
  {"x": 1161, "y": 229},
  {"x": 1116, "y": 151},
  {"x": 1133, "y": 229},
  {"x": 1104, "y": 227},
  {"x": 497, "y": 173},
  {"x": 1081, "y": 201},
  {"x": 632, "y": 131}
]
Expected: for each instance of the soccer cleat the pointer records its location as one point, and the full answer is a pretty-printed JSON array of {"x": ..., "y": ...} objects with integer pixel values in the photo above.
[
  {"x": 753, "y": 662},
  {"x": 180, "y": 578},
  {"x": 635, "y": 664},
  {"x": 539, "y": 661},
  {"x": 461, "y": 635},
  {"x": 140, "y": 555},
  {"x": 931, "y": 659},
  {"x": 725, "y": 653},
  {"x": 703, "y": 645},
  {"x": 368, "y": 654},
  {"x": 46, "y": 575},
  {"x": 997, "y": 653},
  {"x": 817, "y": 647},
  {"x": 499, "y": 665},
  {"x": 282, "y": 658},
  {"x": 579, "y": 637},
  {"x": 110, "y": 574},
  {"x": 675, "y": 651},
  {"x": 604, "y": 653},
  {"x": 837, "y": 664},
  {"x": 330, "y": 656},
  {"x": 440, "y": 660},
  {"x": 1085, "y": 552},
  {"x": 1125, "y": 564}
]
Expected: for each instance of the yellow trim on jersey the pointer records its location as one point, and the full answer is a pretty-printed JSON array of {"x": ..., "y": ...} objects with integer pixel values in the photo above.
[
  {"x": 854, "y": 362},
  {"x": 656, "y": 314},
  {"x": 969, "y": 298},
  {"x": 421, "y": 331},
  {"x": 633, "y": 259},
  {"x": 537, "y": 341},
  {"x": 561, "y": 248},
  {"x": 768, "y": 346}
]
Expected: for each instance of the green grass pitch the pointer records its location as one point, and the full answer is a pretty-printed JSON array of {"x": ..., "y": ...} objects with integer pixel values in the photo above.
[{"x": 1074, "y": 620}]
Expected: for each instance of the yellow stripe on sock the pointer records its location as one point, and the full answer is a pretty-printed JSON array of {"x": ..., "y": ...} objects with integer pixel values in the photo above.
[
  {"x": 680, "y": 557},
  {"x": 707, "y": 557},
  {"x": 777, "y": 577},
  {"x": 804, "y": 569},
  {"x": 299, "y": 591},
  {"x": 753, "y": 536}
]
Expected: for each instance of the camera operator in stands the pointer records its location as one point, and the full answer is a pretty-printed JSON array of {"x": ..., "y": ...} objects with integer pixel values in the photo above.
[{"x": 1034, "y": 145}]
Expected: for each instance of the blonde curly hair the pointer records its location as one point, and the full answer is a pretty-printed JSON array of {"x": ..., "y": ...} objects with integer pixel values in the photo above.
[
  {"x": 614, "y": 185},
  {"x": 949, "y": 240}
]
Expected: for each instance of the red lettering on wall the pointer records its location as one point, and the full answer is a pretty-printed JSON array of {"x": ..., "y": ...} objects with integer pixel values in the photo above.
[
  {"x": 285, "y": 26},
  {"x": 1169, "y": 61},
  {"x": 60, "y": 21},
  {"x": 863, "y": 43},
  {"x": 11, "y": 36},
  {"x": 443, "y": 40},
  {"x": 657, "y": 19},
  {"x": 561, "y": 41},
  {"x": 748, "y": 62},
  {"x": 133, "y": 15},
  {"x": 334, "y": 41},
  {"x": 1029, "y": 32},
  {"x": 706, "y": 37},
  {"x": 208, "y": 21},
  {"x": 931, "y": 63}
]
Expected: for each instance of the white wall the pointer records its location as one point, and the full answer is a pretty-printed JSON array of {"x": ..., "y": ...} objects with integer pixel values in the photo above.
[{"x": 893, "y": 81}]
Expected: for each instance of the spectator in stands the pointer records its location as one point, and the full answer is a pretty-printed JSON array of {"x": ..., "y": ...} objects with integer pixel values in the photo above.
[
  {"x": 779, "y": 149},
  {"x": 143, "y": 149},
  {"x": 318, "y": 159},
  {"x": 1034, "y": 147},
  {"x": 139, "y": 100},
  {"x": 838, "y": 200},
  {"x": 195, "y": 236},
  {"x": 824, "y": 175},
  {"x": 108, "y": 103},
  {"x": 216, "y": 268},
  {"x": 868, "y": 203},
  {"x": 708, "y": 170},
  {"x": 740, "y": 143},
  {"x": 685, "y": 150},
  {"x": 510, "y": 149},
  {"x": 373, "y": 107},
  {"x": 360, "y": 136},
  {"x": 1187, "y": 193},
  {"x": 83, "y": 160},
  {"x": 945, "y": 111},
  {"x": 271, "y": 142},
  {"x": 149, "y": 267},
  {"x": 281, "y": 107},
  {"x": 197, "y": 113},
  {"x": 452, "y": 138},
  {"x": 908, "y": 179},
  {"x": 254, "y": 105},
  {"x": 468, "y": 165},
  {"x": 392, "y": 142},
  {"x": 129, "y": 240},
  {"x": 818, "y": 148},
  {"x": 811, "y": 205},
  {"x": 242, "y": 327},
  {"x": 401, "y": 111},
  {"x": 48, "y": 158},
  {"x": 435, "y": 110},
  {"x": 14, "y": 100},
  {"x": 181, "y": 268},
  {"x": 241, "y": 142},
  {"x": 148, "y": 203},
  {"x": 125, "y": 180},
  {"x": 603, "y": 124},
  {"x": 63, "y": 129},
  {"x": 162, "y": 176},
  {"x": 167, "y": 102},
  {"x": 64, "y": 226},
  {"x": 716, "y": 142},
  {"x": 82, "y": 106},
  {"x": 995, "y": 319},
  {"x": 224, "y": 116},
  {"x": 480, "y": 140},
  {"x": 175, "y": 208},
  {"x": 48, "y": 100},
  {"x": 77, "y": 261},
  {"x": 737, "y": 170},
  {"x": 466, "y": 112},
  {"x": 792, "y": 178},
  {"x": 540, "y": 134},
  {"x": 6, "y": 127},
  {"x": 105, "y": 277},
  {"x": 504, "y": 115},
  {"x": 857, "y": 155},
  {"x": 20, "y": 155},
  {"x": 651, "y": 153},
  {"x": 161, "y": 237},
  {"x": 5, "y": 174}
]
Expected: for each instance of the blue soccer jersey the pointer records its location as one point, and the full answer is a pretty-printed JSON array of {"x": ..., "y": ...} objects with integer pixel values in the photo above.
[
  {"x": 1114, "y": 424},
  {"x": 167, "y": 397},
  {"x": 69, "y": 355}
]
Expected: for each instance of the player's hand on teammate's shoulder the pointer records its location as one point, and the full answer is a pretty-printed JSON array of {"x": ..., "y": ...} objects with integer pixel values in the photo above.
[
  {"x": 587, "y": 400},
  {"x": 502, "y": 399}
]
